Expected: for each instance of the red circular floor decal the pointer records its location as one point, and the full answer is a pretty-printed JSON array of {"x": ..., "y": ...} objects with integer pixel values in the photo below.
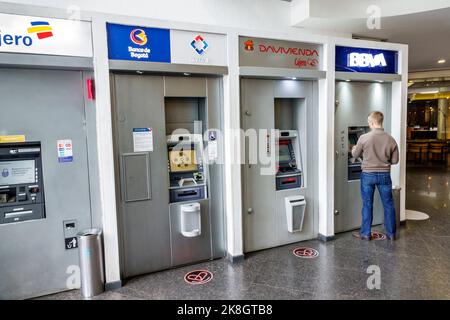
[
  {"x": 304, "y": 252},
  {"x": 378, "y": 235},
  {"x": 198, "y": 277}
]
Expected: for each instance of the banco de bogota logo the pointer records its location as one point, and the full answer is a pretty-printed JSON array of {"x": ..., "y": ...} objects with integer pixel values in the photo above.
[{"x": 138, "y": 37}]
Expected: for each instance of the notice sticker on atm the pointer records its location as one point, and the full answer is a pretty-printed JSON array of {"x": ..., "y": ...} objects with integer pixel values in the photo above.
[
  {"x": 65, "y": 150},
  {"x": 13, "y": 138},
  {"x": 143, "y": 139}
]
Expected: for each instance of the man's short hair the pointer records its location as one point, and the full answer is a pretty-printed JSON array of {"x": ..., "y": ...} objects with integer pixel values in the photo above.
[{"x": 377, "y": 117}]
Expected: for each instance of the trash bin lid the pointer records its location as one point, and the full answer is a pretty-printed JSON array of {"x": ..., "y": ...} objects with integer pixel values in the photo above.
[{"x": 93, "y": 232}]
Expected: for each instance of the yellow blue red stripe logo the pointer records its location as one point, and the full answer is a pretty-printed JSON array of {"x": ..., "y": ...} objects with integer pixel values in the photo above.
[{"x": 41, "y": 28}]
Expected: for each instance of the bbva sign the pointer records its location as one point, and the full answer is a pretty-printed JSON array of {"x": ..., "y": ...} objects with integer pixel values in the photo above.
[{"x": 364, "y": 60}]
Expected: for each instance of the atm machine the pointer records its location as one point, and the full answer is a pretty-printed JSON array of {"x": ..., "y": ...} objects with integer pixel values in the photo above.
[
  {"x": 354, "y": 164},
  {"x": 354, "y": 101},
  {"x": 21, "y": 185},
  {"x": 48, "y": 192},
  {"x": 170, "y": 177},
  {"x": 279, "y": 206},
  {"x": 186, "y": 169}
]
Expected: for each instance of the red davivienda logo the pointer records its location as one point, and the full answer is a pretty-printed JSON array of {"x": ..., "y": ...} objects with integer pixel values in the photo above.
[
  {"x": 249, "y": 45},
  {"x": 289, "y": 51}
]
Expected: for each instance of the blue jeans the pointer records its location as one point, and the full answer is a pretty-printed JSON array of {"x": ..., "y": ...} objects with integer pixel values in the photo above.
[{"x": 381, "y": 180}]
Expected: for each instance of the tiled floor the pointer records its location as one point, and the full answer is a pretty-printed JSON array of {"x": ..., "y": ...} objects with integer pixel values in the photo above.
[{"x": 417, "y": 266}]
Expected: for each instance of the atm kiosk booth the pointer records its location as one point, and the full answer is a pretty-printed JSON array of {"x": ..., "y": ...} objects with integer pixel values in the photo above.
[
  {"x": 48, "y": 181},
  {"x": 167, "y": 117},
  {"x": 279, "y": 111},
  {"x": 364, "y": 83}
]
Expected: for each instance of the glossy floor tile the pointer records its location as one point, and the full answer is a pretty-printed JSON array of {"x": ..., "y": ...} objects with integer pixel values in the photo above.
[{"x": 416, "y": 266}]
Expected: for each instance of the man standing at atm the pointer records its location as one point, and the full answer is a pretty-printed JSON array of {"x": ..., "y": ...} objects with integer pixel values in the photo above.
[{"x": 379, "y": 151}]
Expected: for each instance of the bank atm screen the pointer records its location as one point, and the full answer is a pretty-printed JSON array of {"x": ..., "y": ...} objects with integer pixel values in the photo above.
[
  {"x": 353, "y": 135},
  {"x": 352, "y": 139},
  {"x": 17, "y": 172},
  {"x": 284, "y": 153},
  {"x": 183, "y": 160}
]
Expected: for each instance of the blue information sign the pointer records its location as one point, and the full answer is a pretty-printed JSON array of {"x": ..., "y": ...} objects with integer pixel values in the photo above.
[
  {"x": 138, "y": 43},
  {"x": 350, "y": 59}
]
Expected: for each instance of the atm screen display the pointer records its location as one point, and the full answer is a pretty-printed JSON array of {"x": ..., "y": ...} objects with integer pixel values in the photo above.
[
  {"x": 182, "y": 160},
  {"x": 17, "y": 172},
  {"x": 284, "y": 153},
  {"x": 352, "y": 139}
]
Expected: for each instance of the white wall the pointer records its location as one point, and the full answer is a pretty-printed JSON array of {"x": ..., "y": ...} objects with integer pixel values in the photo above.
[{"x": 249, "y": 14}]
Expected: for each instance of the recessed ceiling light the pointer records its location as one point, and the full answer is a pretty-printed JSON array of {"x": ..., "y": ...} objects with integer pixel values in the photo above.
[
  {"x": 430, "y": 92},
  {"x": 186, "y": 73},
  {"x": 348, "y": 80},
  {"x": 380, "y": 81},
  {"x": 441, "y": 61},
  {"x": 293, "y": 78}
]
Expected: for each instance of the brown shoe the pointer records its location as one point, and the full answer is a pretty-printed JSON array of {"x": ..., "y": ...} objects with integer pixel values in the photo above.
[{"x": 357, "y": 235}]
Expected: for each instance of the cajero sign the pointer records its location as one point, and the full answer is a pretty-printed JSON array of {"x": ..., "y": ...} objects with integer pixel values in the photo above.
[{"x": 37, "y": 35}]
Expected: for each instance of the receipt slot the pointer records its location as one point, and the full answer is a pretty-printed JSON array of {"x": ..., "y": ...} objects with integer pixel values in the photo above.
[{"x": 21, "y": 188}]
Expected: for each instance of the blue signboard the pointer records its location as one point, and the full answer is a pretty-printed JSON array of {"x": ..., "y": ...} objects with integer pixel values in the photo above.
[
  {"x": 138, "y": 43},
  {"x": 350, "y": 59}
]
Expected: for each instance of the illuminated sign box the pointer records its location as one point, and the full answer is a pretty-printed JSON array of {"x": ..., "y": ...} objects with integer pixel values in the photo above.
[
  {"x": 272, "y": 53},
  {"x": 351, "y": 59},
  {"x": 38, "y": 35},
  {"x": 136, "y": 43}
]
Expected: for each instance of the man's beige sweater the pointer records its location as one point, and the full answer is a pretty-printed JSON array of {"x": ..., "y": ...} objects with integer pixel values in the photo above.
[{"x": 378, "y": 150}]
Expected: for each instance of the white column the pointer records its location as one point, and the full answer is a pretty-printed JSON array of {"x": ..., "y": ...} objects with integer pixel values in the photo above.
[
  {"x": 105, "y": 150},
  {"x": 326, "y": 144},
  {"x": 232, "y": 150}
]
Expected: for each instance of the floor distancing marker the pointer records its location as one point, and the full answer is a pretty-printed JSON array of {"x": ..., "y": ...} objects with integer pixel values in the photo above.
[
  {"x": 196, "y": 277},
  {"x": 378, "y": 235},
  {"x": 305, "y": 252}
]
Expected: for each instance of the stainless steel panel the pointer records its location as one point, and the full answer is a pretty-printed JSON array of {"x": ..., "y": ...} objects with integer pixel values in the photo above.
[
  {"x": 40, "y": 61},
  {"x": 216, "y": 179},
  {"x": 185, "y": 249},
  {"x": 355, "y": 101},
  {"x": 139, "y": 103},
  {"x": 162, "y": 67},
  {"x": 291, "y": 104},
  {"x": 257, "y": 112},
  {"x": 136, "y": 176},
  {"x": 184, "y": 87},
  {"x": 45, "y": 106}
]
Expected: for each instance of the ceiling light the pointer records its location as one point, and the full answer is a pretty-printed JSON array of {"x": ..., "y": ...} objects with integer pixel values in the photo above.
[
  {"x": 186, "y": 73},
  {"x": 139, "y": 72},
  {"x": 348, "y": 80},
  {"x": 293, "y": 78},
  {"x": 380, "y": 81},
  {"x": 429, "y": 92},
  {"x": 441, "y": 61}
]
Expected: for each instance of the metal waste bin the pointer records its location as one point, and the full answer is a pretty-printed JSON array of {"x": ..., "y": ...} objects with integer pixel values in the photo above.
[
  {"x": 90, "y": 252},
  {"x": 396, "y": 194}
]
